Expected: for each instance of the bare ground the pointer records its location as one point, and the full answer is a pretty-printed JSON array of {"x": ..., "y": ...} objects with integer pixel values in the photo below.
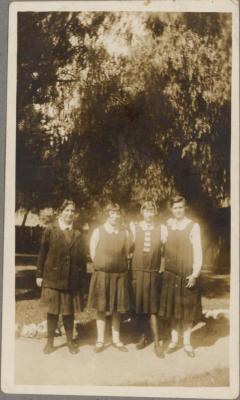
[{"x": 135, "y": 368}]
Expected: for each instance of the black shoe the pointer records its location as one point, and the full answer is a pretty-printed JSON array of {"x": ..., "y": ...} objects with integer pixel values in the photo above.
[
  {"x": 190, "y": 353},
  {"x": 158, "y": 350},
  {"x": 49, "y": 348},
  {"x": 142, "y": 343},
  {"x": 72, "y": 347},
  {"x": 74, "y": 344}
]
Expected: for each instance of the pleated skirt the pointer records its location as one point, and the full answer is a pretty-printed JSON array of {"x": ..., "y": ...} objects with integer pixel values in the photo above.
[
  {"x": 146, "y": 288},
  {"x": 177, "y": 301},
  {"x": 61, "y": 302},
  {"x": 109, "y": 292}
]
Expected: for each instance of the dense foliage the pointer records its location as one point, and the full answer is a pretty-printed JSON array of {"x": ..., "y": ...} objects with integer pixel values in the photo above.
[{"x": 123, "y": 106}]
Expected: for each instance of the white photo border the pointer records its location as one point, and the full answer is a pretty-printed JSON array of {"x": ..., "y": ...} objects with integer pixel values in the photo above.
[{"x": 8, "y": 315}]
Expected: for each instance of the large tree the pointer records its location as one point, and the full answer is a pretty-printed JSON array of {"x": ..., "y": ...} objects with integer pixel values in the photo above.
[{"x": 124, "y": 106}]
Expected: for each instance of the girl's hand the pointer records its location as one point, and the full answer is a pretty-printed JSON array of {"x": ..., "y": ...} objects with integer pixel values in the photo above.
[
  {"x": 39, "y": 282},
  {"x": 191, "y": 281}
]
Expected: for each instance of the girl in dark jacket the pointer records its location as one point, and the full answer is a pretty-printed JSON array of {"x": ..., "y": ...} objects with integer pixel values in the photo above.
[{"x": 60, "y": 272}]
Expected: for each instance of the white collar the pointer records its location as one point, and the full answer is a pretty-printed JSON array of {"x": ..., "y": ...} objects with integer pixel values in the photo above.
[
  {"x": 178, "y": 224},
  {"x": 63, "y": 226},
  {"x": 111, "y": 229},
  {"x": 146, "y": 226}
]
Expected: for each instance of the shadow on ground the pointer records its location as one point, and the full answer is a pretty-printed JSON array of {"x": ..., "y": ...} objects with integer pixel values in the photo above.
[
  {"x": 209, "y": 332},
  {"x": 213, "y": 330},
  {"x": 213, "y": 286}
]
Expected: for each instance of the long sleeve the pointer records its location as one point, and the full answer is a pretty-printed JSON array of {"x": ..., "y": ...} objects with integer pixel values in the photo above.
[
  {"x": 93, "y": 243},
  {"x": 195, "y": 237},
  {"x": 163, "y": 237},
  {"x": 83, "y": 253},
  {"x": 43, "y": 253},
  {"x": 164, "y": 233},
  {"x": 132, "y": 227}
]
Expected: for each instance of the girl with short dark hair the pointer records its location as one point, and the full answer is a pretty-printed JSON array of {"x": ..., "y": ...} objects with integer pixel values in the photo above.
[{"x": 60, "y": 273}]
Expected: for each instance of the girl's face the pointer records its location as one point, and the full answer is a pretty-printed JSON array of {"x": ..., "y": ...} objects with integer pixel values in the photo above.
[
  {"x": 113, "y": 217},
  {"x": 148, "y": 214},
  {"x": 68, "y": 214},
  {"x": 178, "y": 210}
]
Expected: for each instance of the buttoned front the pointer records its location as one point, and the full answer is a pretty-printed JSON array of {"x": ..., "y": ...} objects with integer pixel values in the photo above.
[{"x": 61, "y": 262}]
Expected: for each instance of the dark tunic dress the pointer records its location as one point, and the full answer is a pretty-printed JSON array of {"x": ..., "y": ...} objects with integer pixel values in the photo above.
[
  {"x": 176, "y": 300},
  {"x": 145, "y": 270},
  {"x": 62, "y": 265},
  {"x": 109, "y": 289}
]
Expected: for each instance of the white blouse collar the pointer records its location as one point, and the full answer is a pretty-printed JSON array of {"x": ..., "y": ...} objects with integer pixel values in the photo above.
[
  {"x": 111, "y": 229},
  {"x": 63, "y": 226},
  {"x": 146, "y": 226},
  {"x": 178, "y": 224}
]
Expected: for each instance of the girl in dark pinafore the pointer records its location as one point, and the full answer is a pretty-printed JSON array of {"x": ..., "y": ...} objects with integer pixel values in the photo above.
[
  {"x": 180, "y": 296},
  {"x": 108, "y": 292},
  {"x": 146, "y": 265}
]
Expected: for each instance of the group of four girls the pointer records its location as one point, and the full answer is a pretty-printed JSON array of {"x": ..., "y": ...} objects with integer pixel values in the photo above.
[{"x": 165, "y": 263}]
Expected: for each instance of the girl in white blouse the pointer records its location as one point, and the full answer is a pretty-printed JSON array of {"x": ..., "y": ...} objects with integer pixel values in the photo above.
[{"x": 180, "y": 295}]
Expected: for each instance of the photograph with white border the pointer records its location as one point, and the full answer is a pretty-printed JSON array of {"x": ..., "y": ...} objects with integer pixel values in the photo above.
[{"x": 121, "y": 225}]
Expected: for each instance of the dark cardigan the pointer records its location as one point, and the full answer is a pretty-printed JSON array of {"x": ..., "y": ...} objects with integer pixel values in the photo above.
[{"x": 61, "y": 264}]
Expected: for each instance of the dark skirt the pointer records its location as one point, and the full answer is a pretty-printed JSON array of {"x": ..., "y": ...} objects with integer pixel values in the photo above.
[
  {"x": 177, "y": 301},
  {"x": 61, "y": 302},
  {"x": 109, "y": 292},
  {"x": 146, "y": 287}
]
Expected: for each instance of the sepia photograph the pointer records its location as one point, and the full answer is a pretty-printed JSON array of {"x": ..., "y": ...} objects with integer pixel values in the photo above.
[{"x": 121, "y": 200}]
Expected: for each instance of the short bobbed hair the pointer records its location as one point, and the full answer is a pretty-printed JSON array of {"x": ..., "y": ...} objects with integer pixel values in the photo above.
[
  {"x": 177, "y": 199},
  {"x": 112, "y": 207},
  {"x": 65, "y": 204},
  {"x": 149, "y": 205}
]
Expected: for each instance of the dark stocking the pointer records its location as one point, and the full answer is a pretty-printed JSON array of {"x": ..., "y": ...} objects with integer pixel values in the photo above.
[
  {"x": 143, "y": 324},
  {"x": 52, "y": 321},
  {"x": 68, "y": 322}
]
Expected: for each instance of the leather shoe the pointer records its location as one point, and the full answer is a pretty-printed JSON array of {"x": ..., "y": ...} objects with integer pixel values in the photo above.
[
  {"x": 142, "y": 343},
  {"x": 190, "y": 353},
  {"x": 120, "y": 346},
  {"x": 99, "y": 347},
  {"x": 158, "y": 350},
  {"x": 48, "y": 349},
  {"x": 73, "y": 349},
  {"x": 171, "y": 349}
]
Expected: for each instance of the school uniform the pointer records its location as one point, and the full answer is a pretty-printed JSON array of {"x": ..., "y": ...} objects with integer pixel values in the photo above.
[
  {"x": 61, "y": 264},
  {"x": 183, "y": 257},
  {"x": 109, "y": 291},
  {"x": 146, "y": 279}
]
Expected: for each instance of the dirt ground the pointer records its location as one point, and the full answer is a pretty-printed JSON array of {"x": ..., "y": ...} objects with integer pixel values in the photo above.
[{"x": 135, "y": 368}]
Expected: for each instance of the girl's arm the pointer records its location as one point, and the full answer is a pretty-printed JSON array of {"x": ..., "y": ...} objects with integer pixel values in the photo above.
[
  {"x": 44, "y": 247},
  {"x": 93, "y": 243},
  {"x": 195, "y": 238}
]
